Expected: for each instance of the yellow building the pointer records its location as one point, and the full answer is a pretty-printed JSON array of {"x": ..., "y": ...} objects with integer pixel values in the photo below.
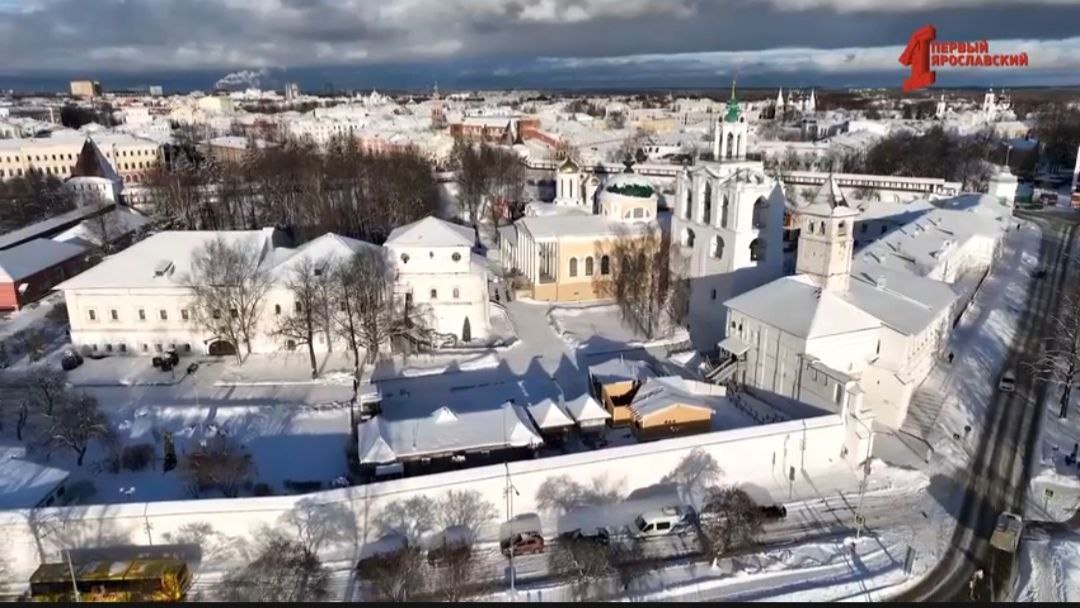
[
  {"x": 132, "y": 157},
  {"x": 672, "y": 407},
  {"x": 566, "y": 255},
  {"x": 614, "y": 384}
]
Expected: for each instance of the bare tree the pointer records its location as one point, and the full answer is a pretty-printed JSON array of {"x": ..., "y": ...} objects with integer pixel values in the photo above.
[
  {"x": 694, "y": 474},
  {"x": 454, "y": 571},
  {"x": 284, "y": 571},
  {"x": 585, "y": 564},
  {"x": 1058, "y": 362},
  {"x": 730, "y": 519},
  {"x": 466, "y": 508},
  {"x": 75, "y": 422},
  {"x": 411, "y": 518},
  {"x": 306, "y": 283},
  {"x": 228, "y": 286},
  {"x": 394, "y": 576},
  {"x": 220, "y": 463},
  {"x": 641, "y": 280},
  {"x": 562, "y": 493},
  {"x": 213, "y": 545},
  {"x": 375, "y": 319},
  {"x": 315, "y": 525}
]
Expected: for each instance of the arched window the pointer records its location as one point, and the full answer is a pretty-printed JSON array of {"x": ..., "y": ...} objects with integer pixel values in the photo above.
[
  {"x": 841, "y": 228},
  {"x": 718, "y": 247},
  {"x": 573, "y": 267},
  {"x": 688, "y": 200},
  {"x": 821, "y": 228},
  {"x": 757, "y": 250},
  {"x": 688, "y": 237},
  {"x": 725, "y": 211},
  {"x": 706, "y": 216},
  {"x": 730, "y": 146},
  {"x": 761, "y": 212},
  {"x": 605, "y": 265},
  {"x": 589, "y": 266}
]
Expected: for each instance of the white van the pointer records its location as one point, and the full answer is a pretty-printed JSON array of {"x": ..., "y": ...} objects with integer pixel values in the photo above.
[
  {"x": 669, "y": 520},
  {"x": 1007, "y": 384}
]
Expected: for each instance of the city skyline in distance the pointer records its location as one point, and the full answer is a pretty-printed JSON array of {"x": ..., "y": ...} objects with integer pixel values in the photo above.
[{"x": 551, "y": 44}]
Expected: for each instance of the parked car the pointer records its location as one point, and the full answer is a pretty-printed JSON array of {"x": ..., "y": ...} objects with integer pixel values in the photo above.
[
  {"x": 452, "y": 541},
  {"x": 1007, "y": 531},
  {"x": 600, "y": 536},
  {"x": 521, "y": 535},
  {"x": 70, "y": 360},
  {"x": 526, "y": 543},
  {"x": 1007, "y": 383},
  {"x": 1040, "y": 272},
  {"x": 662, "y": 522},
  {"x": 770, "y": 512},
  {"x": 386, "y": 546}
]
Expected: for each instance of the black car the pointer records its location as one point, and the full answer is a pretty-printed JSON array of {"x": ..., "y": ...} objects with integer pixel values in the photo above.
[
  {"x": 599, "y": 536},
  {"x": 1040, "y": 273},
  {"x": 70, "y": 360},
  {"x": 773, "y": 511}
]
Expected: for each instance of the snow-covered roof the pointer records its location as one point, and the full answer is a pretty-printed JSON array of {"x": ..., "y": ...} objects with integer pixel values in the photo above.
[
  {"x": 431, "y": 232},
  {"x": 829, "y": 201},
  {"x": 445, "y": 431},
  {"x": 92, "y": 163},
  {"x": 120, "y": 221},
  {"x": 549, "y": 415},
  {"x": 586, "y": 409},
  {"x": 798, "y": 306},
  {"x": 901, "y": 300},
  {"x": 658, "y": 394},
  {"x": 327, "y": 248},
  {"x": 34, "y": 256},
  {"x": 137, "y": 265},
  {"x": 620, "y": 370},
  {"x": 25, "y": 484},
  {"x": 578, "y": 225}
]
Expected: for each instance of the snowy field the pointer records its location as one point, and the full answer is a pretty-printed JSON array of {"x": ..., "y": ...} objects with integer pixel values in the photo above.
[
  {"x": 600, "y": 328},
  {"x": 1049, "y": 568}
]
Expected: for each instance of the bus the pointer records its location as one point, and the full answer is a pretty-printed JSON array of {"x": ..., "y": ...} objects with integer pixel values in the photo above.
[{"x": 141, "y": 580}]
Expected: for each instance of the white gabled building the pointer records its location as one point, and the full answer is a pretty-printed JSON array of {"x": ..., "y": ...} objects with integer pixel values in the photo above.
[
  {"x": 869, "y": 323},
  {"x": 437, "y": 270},
  {"x": 137, "y": 302}
]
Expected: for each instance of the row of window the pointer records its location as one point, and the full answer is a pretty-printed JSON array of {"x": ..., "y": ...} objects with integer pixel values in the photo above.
[
  {"x": 114, "y": 314},
  {"x": 158, "y": 347},
  {"x": 431, "y": 254},
  {"x": 605, "y": 266}
]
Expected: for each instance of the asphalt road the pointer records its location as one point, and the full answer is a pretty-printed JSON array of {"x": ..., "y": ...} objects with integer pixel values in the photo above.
[{"x": 998, "y": 476}]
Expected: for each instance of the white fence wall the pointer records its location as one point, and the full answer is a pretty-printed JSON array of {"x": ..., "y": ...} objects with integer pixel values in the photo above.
[{"x": 760, "y": 455}]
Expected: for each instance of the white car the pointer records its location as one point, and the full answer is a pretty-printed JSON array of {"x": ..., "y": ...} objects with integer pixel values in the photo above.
[
  {"x": 1007, "y": 384},
  {"x": 669, "y": 520}
]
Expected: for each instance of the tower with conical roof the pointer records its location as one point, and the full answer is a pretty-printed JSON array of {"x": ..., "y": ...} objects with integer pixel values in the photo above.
[
  {"x": 826, "y": 226},
  {"x": 730, "y": 132}
]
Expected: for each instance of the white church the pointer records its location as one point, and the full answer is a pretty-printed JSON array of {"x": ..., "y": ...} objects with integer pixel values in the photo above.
[
  {"x": 867, "y": 322},
  {"x": 728, "y": 224}
]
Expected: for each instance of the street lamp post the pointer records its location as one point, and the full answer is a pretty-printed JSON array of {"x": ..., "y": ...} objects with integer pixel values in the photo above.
[{"x": 859, "y": 518}]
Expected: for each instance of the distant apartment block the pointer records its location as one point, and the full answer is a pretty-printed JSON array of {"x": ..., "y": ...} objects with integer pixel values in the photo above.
[{"x": 86, "y": 89}]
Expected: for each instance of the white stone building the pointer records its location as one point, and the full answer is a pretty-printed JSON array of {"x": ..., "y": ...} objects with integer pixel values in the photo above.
[
  {"x": 436, "y": 270},
  {"x": 728, "y": 224},
  {"x": 136, "y": 301},
  {"x": 871, "y": 324}
]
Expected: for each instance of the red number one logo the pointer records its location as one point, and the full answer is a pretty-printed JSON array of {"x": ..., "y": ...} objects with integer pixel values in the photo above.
[{"x": 917, "y": 56}]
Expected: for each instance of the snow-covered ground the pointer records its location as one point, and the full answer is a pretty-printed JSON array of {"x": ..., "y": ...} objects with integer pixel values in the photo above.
[
  {"x": 1049, "y": 568},
  {"x": 600, "y": 327}
]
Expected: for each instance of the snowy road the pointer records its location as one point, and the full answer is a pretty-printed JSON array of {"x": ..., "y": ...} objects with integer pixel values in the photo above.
[{"x": 999, "y": 471}]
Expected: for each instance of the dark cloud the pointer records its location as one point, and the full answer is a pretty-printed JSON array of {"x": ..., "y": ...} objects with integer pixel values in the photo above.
[{"x": 469, "y": 40}]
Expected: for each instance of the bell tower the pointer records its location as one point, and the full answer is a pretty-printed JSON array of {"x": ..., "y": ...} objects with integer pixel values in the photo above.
[
  {"x": 826, "y": 226},
  {"x": 730, "y": 132}
]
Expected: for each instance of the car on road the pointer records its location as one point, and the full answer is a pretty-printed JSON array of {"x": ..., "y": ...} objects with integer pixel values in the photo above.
[
  {"x": 1007, "y": 383},
  {"x": 600, "y": 536},
  {"x": 662, "y": 522},
  {"x": 522, "y": 535},
  {"x": 1006, "y": 535},
  {"x": 1040, "y": 272},
  {"x": 452, "y": 542}
]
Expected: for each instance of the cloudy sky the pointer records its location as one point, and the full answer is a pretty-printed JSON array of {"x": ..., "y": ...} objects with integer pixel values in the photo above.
[{"x": 525, "y": 43}]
